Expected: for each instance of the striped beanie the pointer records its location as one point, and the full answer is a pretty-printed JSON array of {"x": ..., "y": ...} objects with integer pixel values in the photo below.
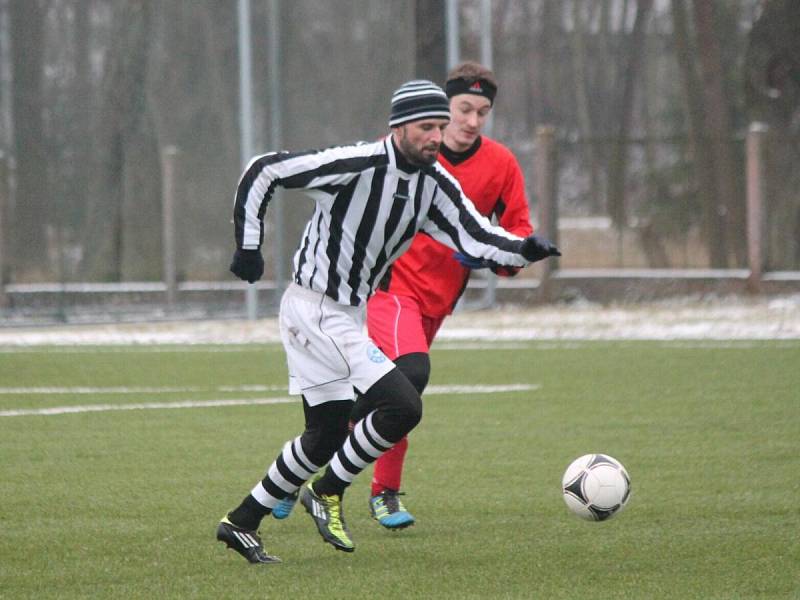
[{"x": 418, "y": 99}]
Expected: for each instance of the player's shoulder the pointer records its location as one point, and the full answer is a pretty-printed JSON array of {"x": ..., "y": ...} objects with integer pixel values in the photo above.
[
  {"x": 496, "y": 149},
  {"x": 501, "y": 156},
  {"x": 438, "y": 171},
  {"x": 359, "y": 148},
  {"x": 363, "y": 153},
  {"x": 443, "y": 178}
]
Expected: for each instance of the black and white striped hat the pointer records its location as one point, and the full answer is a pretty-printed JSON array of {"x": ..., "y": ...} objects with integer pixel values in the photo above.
[{"x": 418, "y": 99}]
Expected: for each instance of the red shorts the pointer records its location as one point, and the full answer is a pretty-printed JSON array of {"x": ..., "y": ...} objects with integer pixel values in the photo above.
[{"x": 397, "y": 326}]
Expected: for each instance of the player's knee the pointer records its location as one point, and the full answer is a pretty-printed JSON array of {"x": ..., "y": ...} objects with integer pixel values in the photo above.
[
  {"x": 417, "y": 367},
  {"x": 398, "y": 405},
  {"x": 413, "y": 413},
  {"x": 406, "y": 410},
  {"x": 395, "y": 420},
  {"x": 325, "y": 432},
  {"x": 320, "y": 443}
]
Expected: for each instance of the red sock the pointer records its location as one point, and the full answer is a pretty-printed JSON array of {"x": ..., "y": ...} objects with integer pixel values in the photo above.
[{"x": 389, "y": 468}]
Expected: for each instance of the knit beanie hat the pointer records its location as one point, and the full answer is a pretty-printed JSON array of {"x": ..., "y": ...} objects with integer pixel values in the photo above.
[{"x": 418, "y": 99}]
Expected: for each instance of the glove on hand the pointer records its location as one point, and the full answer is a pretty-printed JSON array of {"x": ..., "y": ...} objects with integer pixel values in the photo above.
[
  {"x": 535, "y": 248},
  {"x": 248, "y": 265},
  {"x": 469, "y": 262}
]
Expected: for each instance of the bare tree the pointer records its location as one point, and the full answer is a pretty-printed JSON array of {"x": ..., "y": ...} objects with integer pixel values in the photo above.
[
  {"x": 547, "y": 82},
  {"x": 580, "y": 72},
  {"x": 701, "y": 158},
  {"x": 608, "y": 64},
  {"x": 772, "y": 71},
  {"x": 618, "y": 164},
  {"x": 430, "y": 40},
  {"x": 99, "y": 86},
  {"x": 82, "y": 97},
  {"x": 719, "y": 143},
  {"x": 529, "y": 63},
  {"x": 118, "y": 148},
  {"x": 29, "y": 212},
  {"x": 219, "y": 84}
]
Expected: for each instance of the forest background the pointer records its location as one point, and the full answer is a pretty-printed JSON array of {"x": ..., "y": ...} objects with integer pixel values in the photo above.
[{"x": 651, "y": 101}]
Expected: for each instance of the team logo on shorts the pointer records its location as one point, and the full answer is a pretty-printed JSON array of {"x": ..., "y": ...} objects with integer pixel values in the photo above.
[{"x": 374, "y": 354}]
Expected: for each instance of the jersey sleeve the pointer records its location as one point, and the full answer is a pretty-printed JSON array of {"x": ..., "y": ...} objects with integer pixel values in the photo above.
[
  {"x": 454, "y": 221},
  {"x": 324, "y": 170},
  {"x": 514, "y": 214}
]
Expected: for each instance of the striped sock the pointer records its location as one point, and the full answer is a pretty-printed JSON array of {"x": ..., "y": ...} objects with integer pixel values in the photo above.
[
  {"x": 361, "y": 448},
  {"x": 290, "y": 470}
]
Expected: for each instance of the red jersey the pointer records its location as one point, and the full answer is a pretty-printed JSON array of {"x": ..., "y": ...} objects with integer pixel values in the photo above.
[{"x": 491, "y": 177}]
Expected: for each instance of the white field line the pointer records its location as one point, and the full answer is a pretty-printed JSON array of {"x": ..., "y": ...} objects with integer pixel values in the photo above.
[
  {"x": 164, "y": 348},
  {"x": 140, "y": 389},
  {"x": 431, "y": 390},
  {"x": 63, "y": 410},
  {"x": 216, "y": 348},
  {"x": 439, "y": 346},
  {"x": 480, "y": 389}
]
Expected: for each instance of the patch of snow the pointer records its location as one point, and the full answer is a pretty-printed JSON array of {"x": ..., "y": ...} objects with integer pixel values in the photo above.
[{"x": 705, "y": 318}]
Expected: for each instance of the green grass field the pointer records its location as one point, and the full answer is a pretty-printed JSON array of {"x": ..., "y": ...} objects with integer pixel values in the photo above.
[{"x": 123, "y": 504}]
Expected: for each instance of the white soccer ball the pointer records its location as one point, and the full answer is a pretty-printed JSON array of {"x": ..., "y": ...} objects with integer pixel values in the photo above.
[{"x": 596, "y": 487}]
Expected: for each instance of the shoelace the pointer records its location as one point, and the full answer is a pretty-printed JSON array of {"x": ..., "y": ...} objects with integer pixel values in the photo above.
[
  {"x": 392, "y": 501},
  {"x": 333, "y": 506}
]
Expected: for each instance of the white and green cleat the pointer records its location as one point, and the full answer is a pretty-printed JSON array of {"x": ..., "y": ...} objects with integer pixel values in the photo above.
[{"x": 328, "y": 517}]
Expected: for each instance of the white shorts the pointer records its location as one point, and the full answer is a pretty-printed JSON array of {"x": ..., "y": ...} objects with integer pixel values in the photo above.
[{"x": 327, "y": 348}]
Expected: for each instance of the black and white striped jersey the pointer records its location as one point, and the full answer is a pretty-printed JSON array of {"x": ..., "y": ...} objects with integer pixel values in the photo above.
[{"x": 370, "y": 202}]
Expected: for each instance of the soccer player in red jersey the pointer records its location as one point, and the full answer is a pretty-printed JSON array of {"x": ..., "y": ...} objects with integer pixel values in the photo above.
[{"x": 423, "y": 286}]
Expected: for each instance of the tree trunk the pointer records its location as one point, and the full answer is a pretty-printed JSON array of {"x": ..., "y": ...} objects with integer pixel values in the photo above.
[
  {"x": 30, "y": 213},
  {"x": 650, "y": 232},
  {"x": 123, "y": 105},
  {"x": 430, "y": 40},
  {"x": 550, "y": 26},
  {"x": 772, "y": 69},
  {"x": 729, "y": 201},
  {"x": 608, "y": 66},
  {"x": 220, "y": 91},
  {"x": 528, "y": 59},
  {"x": 82, "y": 125},
  {"x": 580, "y": 71},
  {"x": 701, "y": 156},
  {"x": 618, "y": 164}
]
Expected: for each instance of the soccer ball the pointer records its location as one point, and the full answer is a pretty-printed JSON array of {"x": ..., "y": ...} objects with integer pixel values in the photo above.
[{"x": 596, "y": 487}]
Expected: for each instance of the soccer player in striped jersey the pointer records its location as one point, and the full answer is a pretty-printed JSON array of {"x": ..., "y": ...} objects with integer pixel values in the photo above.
[{"x": 370, "y": 201}]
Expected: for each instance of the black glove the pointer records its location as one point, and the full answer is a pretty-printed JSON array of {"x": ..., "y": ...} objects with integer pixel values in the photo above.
[
  {"x": 535, "y": 248},
  {"x": 247, "y": 265},
  {"x": 469, "y": 262}
]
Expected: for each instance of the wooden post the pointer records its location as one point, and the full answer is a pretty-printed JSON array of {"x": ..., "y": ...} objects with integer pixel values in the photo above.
[
  {"x": 545, "y": 185},
  {"x": 755, "y": 203},
  {"x": 168, "y": 160}
]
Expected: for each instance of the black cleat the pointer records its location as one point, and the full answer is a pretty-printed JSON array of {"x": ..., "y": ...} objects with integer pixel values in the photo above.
[{"x": 245, "y": 542}]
